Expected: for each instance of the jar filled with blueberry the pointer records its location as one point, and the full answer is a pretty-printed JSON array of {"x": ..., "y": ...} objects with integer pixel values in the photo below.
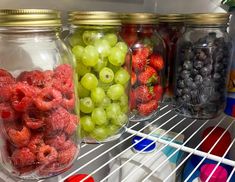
[
  {"x": 170, "y": 28},
  {"x": 201, "y": 69},
  {"x": 39, "y": 114},
  {"x": 139, "y": 32},
  {"x": 103, "y": 64}
]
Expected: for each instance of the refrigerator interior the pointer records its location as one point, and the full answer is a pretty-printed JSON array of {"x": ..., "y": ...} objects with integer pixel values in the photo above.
[{"x": 95, "y": 159}]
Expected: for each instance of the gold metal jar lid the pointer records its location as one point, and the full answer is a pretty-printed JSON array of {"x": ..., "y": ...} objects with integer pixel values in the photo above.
[
  {"x": 94, "y": 18},
  {"x": 29, "y": 17},
  {"x": 139, "y": 18},
  {"x": 172, "y": 18},
  {"x": 207, "y": 18}
]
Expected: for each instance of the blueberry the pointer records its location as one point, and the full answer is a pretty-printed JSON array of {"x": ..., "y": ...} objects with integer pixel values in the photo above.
[
  {"x": 179, "y": 92},
  {"x": 205, "y": 71},
  {"x": 207, "y": 61},
  {"x": 198, "y": 64},
  {"x": 186, "y": 91},
  {"x": 185, "y": 74},
  {"x": 186, "y": 45},
  {"x": 203, "y": 98},
  {"x": 211, "y": 37},
  {"x": 186, "y": 98},
  {"x": 194, "y": 94},
  {"x": 217, "y": 56},
  {"x": 217, "y": 76},
  {"x": 193, "y": 86},
  {"x": 207, "y": 82},
  {"x": 188, "y": 65},
  {"x": 194, "y": 72},
  {"x": 188, "y": 81},
  {"x": 180, "y": 84},
  {"x": 179, "y": 69},
  {"x": 202, "y": 56},
  {"x": 218, "y": 67},
  {"x": 198, "y": 79}
]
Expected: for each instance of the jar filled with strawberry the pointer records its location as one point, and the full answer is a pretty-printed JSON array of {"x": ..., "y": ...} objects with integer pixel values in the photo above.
[
  {"x": 170, "y": 28},
  {"x": 202, "y": 65},
  {"x": 103, "y": 64},
  {"x": 139, "y": 32},
  {"x": 39, "y": 115}
]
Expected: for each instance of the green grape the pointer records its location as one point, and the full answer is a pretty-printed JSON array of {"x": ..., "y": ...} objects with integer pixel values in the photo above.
[
  {"x": 106, "y": 101},
  {"x": 113, "y": 110},
  {"x": 76, "y": 39},
  {"x": 112, "y": 129},
  {"x": 82, "y": 69},
  {"x": 106, "y": 75},
  {"x": 122, "y": 46},
  {"x": 111, "y": 38},
  {"x": 114, "y": 68},
  {"x": 120, "y": 120},
  {"x": 90, "y": 56},
  {"x": 102, "y": 47},
  {"x": 98, "y": 116},
  {"x": 100, "y": 64},
  {"x": 86, "y": 105},
  {"x": 78, "y": 52},
  {"x": 124, "y": 100},
  {"x": 87, "y": 123},
  {"x": 115, "y": 91},
  {"x": 89, "y": 81},
  {"x": 125, "y": 109},
  {"x": 97, "y": 95},
  {"x": 89, "y": 37},
  {"x": 117, "y": 56},
  {"x": 82, "y": 92},
  {"x": 99, "y": 133},
  {"x": 122, "y": 76},
  {"x": 104, "y": 86}
]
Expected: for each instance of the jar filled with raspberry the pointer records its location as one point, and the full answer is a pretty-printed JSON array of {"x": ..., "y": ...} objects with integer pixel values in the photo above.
[
  {"x": 170, "y": 28},
  {"x": 148, "y": 49},
  {"x": 103, "y": 72},
  {"x": 39, "y": 114},
  {"x": 203, "y": 62}
]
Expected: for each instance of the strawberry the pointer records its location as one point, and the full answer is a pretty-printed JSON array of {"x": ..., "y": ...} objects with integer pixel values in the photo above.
[
  {"x": 143, "y": 93},
  {"x": 138, "y": 64},
  {"x": 132, "y": 100},
  {"x": 147, "y": 108},
  {"x": 143, "y": 52},
  {"x": 129, "y": 38},
  {"x": 158, "y": 91},
  {"x": 133, "y": 78},
  {"x": 156, "y": 61},
  {"x": 149, "y": 75}
]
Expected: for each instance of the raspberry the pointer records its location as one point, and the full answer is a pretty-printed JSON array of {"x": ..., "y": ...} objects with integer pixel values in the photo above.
[
  {"x": 34, "y": 78},
  {"x": 4, "y": 73},
  {"x": 47, "y": 99},
  {"x": 57, "y": 142},
  {"x": 33, "y": 118},
  {"x": 68, "y": 100},
  {"x": 21, "y": 96},
  {"x": 5, "y": 81},
  {"x": 47, "y": 154},
  {"x": 36, "y": 142},
  {"x": 57, "y": 120},
  {"x": 19, "y": 138},
  {"x": 63, "y": 78},
  {"x": 5, "y": 93},
  {"x": 7, "y": 113},
  {"x": 23, "y": 157},
  {"x": 27, "y": 169},
  {"x": 66, "y": 156},
  {"x": 71, "y": 125},
  {"x": 66, "y": 145}
]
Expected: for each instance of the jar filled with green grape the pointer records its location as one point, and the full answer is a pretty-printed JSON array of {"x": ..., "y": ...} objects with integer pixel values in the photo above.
[{"x": 103, "y": 71}]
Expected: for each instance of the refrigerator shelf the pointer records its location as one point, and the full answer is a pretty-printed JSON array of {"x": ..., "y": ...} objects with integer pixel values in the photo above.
[{"x": 95, "y": 159}]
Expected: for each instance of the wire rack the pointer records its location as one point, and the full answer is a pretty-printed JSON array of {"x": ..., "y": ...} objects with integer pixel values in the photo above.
[{"x": 95, "y": 159}]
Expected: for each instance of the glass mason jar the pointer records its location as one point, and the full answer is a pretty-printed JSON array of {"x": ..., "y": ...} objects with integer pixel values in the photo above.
[
  {"x": 170, "y": 28},
  {"x": 103, "y": 64},
  {"x": 203, "y": 61},
  {"x": 139, "y": 32},
  {"x": 38, "y": 110}
]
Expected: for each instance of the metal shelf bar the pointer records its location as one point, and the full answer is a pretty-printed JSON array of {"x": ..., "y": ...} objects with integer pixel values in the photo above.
[
  {"x": 126, "y": 150},
  {"x": 231, "y": 174},
  {"x": 75, "y": 171},
  {"x": 226, "y": 152},
  {"x": 207, "y": 155},
  {"x": 87, "y": 153}
]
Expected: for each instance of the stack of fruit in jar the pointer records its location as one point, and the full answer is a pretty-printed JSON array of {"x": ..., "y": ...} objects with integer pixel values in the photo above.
[
  {"x": 146, "y": 77},
  {"x": 38, "y": 120},
  {"x": 103, "y": 81}
]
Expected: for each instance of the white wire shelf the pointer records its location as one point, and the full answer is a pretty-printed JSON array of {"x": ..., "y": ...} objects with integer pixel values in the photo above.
[{"x": 95, "y": 159}]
